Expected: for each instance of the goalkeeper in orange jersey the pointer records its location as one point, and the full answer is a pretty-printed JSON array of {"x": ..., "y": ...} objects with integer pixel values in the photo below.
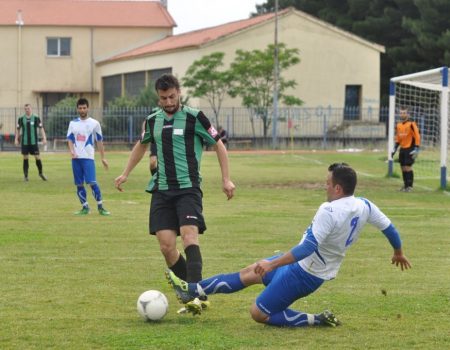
[{"x": 407, "y": 136}]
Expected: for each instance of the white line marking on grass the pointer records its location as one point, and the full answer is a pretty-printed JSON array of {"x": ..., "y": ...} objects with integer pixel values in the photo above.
[
  {"x": 309, "y": 160},
  {"x": 366, "y": 174}
]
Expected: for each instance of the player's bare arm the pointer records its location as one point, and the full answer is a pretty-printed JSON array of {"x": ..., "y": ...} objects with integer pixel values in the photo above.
[
  {"x": 222, "y": 155},
  {"x": 101, "y": 149},
  {"x": 400, "y": 260},
  {"x": 136, "y": 155},
  {"x": 44, "y": 136},
  {"x": 72, "y": 150},
  {"x": 16, "y": 139},
  {"x": 264, "y": 266}
]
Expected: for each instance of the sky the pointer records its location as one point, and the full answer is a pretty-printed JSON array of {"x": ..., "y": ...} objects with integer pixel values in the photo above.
[{"x": 196, "y": 14}]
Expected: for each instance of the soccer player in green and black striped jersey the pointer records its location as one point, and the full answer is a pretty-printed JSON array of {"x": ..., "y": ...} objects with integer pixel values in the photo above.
[
  {"x": 179, "y": 133},
  {"x": 29, "y": 124}
]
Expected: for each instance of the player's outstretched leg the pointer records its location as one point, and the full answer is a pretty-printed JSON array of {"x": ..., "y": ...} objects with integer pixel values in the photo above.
[
  {"x": 327, "y": 318},
  {"x": 293, "y": 318},
  {"x": 191, "y": 304},
  {"x": 181, "y": 287}
]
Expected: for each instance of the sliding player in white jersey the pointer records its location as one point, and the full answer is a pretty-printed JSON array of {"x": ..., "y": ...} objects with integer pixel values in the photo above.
[{"x": 317, "y": 258}]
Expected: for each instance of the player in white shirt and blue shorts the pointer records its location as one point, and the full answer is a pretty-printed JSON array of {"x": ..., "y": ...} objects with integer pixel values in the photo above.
[
  {"x": 82, "y": 134},
  {"x": 301, "y": 271}
]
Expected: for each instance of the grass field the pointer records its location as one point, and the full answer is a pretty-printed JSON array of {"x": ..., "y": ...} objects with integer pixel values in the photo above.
[{"x": 71, "y": 282}]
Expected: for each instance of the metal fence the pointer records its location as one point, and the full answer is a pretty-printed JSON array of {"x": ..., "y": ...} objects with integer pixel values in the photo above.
[{"x": 247, "y": 128}]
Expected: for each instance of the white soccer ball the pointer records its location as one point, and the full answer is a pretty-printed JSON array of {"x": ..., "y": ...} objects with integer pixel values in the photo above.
[{"x": 152, "y": 305}]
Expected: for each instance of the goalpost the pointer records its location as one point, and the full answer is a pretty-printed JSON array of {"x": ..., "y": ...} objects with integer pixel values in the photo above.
[{"x": 426, "y": 94}]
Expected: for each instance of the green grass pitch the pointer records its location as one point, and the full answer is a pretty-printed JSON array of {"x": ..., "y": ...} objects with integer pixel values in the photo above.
[{"x": 71, "y": 282}]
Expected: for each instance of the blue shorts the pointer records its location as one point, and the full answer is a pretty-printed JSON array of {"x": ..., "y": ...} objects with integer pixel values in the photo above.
[
  {"x": 83, "y": 171},
  {"x": 284, "y": 286}
]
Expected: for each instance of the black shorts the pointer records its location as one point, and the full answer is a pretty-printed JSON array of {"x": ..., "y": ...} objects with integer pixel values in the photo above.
[
  {"x": 171, "y": 209},
  {"x": 404, "y": 157},
  {"x": 30, "y": 149}
]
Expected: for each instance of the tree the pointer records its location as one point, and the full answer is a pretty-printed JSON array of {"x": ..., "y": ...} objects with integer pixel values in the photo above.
[
  {"x": 59, "y": 116},
  {"x": 253, "y": 75},
  {"x": 414, "y": 32},
  {"x": 206, "y": 78},
  {"x": 431, "y": 31},
  {"x": 122, "y": 119}
]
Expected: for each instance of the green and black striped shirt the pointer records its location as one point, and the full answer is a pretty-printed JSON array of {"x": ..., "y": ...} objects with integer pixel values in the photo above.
[
  {"x": 179, "y": 142},
  {"x": 29, "y": 128}
]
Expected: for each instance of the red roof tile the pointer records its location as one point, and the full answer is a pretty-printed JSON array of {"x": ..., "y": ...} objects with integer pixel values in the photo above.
[
  {"x": 206, "y": 35},
  {"x": 195, "y": 38},
  {"x": 96, "y": 13}
]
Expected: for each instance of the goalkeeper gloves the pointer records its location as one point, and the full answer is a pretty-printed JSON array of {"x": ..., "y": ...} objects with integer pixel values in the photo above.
[
  {"x": 414, "y": 153},
  {"x": 394, "y": 150}
]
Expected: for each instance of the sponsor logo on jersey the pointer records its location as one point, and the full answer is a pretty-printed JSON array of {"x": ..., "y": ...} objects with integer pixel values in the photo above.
[
  {"x": 191, "y": 217},
  {"x": 81, "y": 138},
  {"x": 167, "y": 126},
  {"x": 212, "y": 131},
  {"x": 178, "y": 132}
]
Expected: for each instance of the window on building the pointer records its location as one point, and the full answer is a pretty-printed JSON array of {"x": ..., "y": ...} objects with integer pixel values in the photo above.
[
  {"x": 59, "y": 47},
  {"x": 154, "y": 74},
  {"x": 112, "y": 88},
  {"x": 52, "y": 98},
  {"x": 352, "y": 110},
  {"x": 134, "y": 83}
]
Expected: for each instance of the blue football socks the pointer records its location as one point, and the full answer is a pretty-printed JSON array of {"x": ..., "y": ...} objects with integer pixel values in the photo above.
[
  {"x": 81, "y": 193},
  {"x": 292, "y": 318},
  {"x": 97, "y": 195},
  {"x": 223, "y": 283}
]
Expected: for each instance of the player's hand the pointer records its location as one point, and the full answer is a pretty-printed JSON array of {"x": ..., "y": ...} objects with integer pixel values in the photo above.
[
  {"x": 394, "y": 150},
  {"x": 228, "y": 189},
  {"x": 16, "y": 142},
  {"x": 105, "y": 164},
  {"x": 119, "y": 181},
  {"x": 262, "y": 267},
  {"x": 414, "y": 153},
  {"x": 44, "y": 141},
  {"x": 73, "y": 155},
  {"x": 400, "y": 259}
]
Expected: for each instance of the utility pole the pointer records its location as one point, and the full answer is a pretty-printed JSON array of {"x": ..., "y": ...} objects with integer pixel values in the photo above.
[
  {"x": 275, "y": 85},
  {"x": 20, "y": 23}
]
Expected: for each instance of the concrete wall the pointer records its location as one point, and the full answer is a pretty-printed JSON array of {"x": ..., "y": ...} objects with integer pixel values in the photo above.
[
  {"x": 330, "y": 60},
  {"x": 27, "y": 70}
]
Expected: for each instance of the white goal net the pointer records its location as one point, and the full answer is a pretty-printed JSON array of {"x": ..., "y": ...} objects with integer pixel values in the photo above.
[{"x": 426, "y": 95}]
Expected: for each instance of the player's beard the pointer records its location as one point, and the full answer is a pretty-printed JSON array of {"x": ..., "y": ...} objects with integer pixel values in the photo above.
[
  {"x": 83, "y": 115},
  {"x": 172, "y": 109}
]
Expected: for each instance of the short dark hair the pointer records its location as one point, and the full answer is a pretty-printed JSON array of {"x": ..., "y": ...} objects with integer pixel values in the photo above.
[
  {"x": 404, "y": 108},
  {"x": 82, "y": 101},
  {"x": 344, "y": 176},
  {"x": 166, "y": 82}
]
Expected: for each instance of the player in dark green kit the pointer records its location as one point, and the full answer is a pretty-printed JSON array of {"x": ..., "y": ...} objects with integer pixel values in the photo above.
[
  {"x": 179, "y": 133},
  {"x": 29, "y": 123}
]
